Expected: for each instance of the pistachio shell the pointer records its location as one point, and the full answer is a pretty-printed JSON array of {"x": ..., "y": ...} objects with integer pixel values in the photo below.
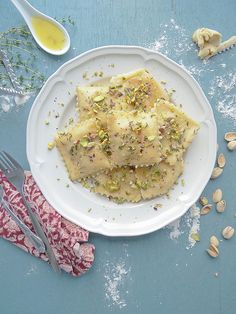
[
  {"x": 228, "y": 232},
  {"x": 231, "y": 145},
  {"x": 221, "y": 160},
  {"x": 217, "y": 171},
  {"x": 217, "y": 195},
  {"x": 206, "y": 209},
  {"x": 220, "y": 206},
  {"x": 213, "y": 251},
  {"x": 214, "y": 241},
  {"x": 230, "y": 136}
]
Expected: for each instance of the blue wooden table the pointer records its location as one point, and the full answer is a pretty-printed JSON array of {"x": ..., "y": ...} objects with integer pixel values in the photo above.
[{"x": 159, "y": 272}]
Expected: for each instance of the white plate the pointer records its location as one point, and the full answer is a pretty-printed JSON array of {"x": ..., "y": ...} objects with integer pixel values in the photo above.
[{"x": 91, "y": 211}]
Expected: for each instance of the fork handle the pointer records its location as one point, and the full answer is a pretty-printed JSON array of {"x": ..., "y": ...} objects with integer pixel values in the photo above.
[
  {"x": 34, "y": 239},
  {"x": 39, "y": 231}
]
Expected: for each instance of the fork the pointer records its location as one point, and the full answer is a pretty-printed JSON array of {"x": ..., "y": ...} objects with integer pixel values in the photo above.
[
  {"x": 35, "y": 240},
  {"x": 15, "y": 174}
]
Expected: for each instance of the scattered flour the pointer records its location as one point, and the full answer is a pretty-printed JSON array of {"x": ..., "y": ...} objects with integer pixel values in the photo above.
[
  {"x": 173, "y": 39},
  {"x": 5, "y": 103},
  {"x": 174, "y": 228},
  {"x": 8, "y": 102},
  {"x": 189, "y": 223},
  {"x": 223, "y": 92},
  {"x": 175, "y": 42},
  {"x": 32, "y": 270},
  {"x": 20, "y": 100},
  {"x": 115, "y": 276},
  {"x": 192, "y": 220}
]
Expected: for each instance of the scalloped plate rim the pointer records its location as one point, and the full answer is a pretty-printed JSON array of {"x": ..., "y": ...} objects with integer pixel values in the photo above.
[{"x": 151, "y": 224}]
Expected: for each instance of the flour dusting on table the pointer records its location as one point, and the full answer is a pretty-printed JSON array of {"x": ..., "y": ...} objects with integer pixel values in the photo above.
[
  {"x": 192, "y": 219},
  {"x": 223, "y": 92},
  {"x": 174, "y": 228},
  {"x": 172, "y": 36},
  {"x": 175, "y": 42},
  {"x": 32, "y": 270},
  {"x": 115, "y": 276},
  {"x": 5, "y": 103},
  {"x": 188, "y": 225}
]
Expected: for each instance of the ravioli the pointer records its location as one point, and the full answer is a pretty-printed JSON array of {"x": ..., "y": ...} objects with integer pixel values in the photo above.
[
  {"x": 176, "y": 130},
  {"x": 122, "y": 138},
  {"x": 158, "y": 179},
  {"x": 118, "y": 184},
  {"x": 134, "y": 90},
  {"x": 133, "y": 138},
  {"x": 130, "y": 141},
  {"x": 82, "y": 149}
]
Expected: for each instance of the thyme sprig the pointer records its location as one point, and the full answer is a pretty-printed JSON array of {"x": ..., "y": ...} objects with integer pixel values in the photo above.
[{"x": 23, "y": 53}]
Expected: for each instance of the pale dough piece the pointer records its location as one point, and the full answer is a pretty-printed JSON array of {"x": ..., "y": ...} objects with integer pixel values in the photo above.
[
  {"x": 81, "y": 149},
  {"x": 209, "y": 42},
  {"x": 134, "y": 90},
  {"x": 176, "y": 131},
  {"x": 157, "y": 180},
  {"x": 123, "y": 138},
  {"x": 119, "y": 184},
  {"x": 133, "y": 184},
  {"x": 133, "y": 138}
]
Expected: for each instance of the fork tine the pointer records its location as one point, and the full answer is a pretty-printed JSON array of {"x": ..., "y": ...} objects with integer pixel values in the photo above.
[
  {"x": 4, "y": 165},
  {"x": 6, "y": 161},
  {"x": 12, "y": 162}
]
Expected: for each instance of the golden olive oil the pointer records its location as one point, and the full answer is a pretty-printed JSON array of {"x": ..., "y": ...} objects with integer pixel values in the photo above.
[{"x": 48, "y": 33}]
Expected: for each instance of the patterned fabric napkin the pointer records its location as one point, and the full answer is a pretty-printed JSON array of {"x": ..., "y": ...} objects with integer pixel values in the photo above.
[{"x": 68, "y": 241}]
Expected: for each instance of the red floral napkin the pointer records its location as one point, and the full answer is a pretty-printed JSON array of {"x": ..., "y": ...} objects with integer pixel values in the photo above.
[{"x": 68, "y": 241}]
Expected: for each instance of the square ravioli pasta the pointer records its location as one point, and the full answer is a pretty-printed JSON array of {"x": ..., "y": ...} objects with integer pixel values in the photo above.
[
  {"x": 133, "y": 138},
  {"x": 134, "y": 90},
  {"x": 176, "y": 131},
  {"x": 158, "y": 179},
  {"x": 82, "y": 149},
  {"x": 118, "y": 184},
  {"x": 133, "y": 184}
]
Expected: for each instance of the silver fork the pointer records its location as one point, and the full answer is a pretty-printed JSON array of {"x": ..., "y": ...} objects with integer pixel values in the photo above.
[
  {"x": 34, "y": 239},
  {"x": 15, "y": 174}
]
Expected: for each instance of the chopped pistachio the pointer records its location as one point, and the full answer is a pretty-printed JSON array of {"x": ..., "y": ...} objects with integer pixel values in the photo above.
[
  {"x": 112, "y": 186},
  {"x": 102, "y": 135},
  {"x": 84, "y": 142},
  {"x": 98, "y": 98},
  {"x": 195, "y": 237},
  {"x": 151, "y": 138},
  {"x": 50, "y": 145},
  {"x": 203, "y": 200}
]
